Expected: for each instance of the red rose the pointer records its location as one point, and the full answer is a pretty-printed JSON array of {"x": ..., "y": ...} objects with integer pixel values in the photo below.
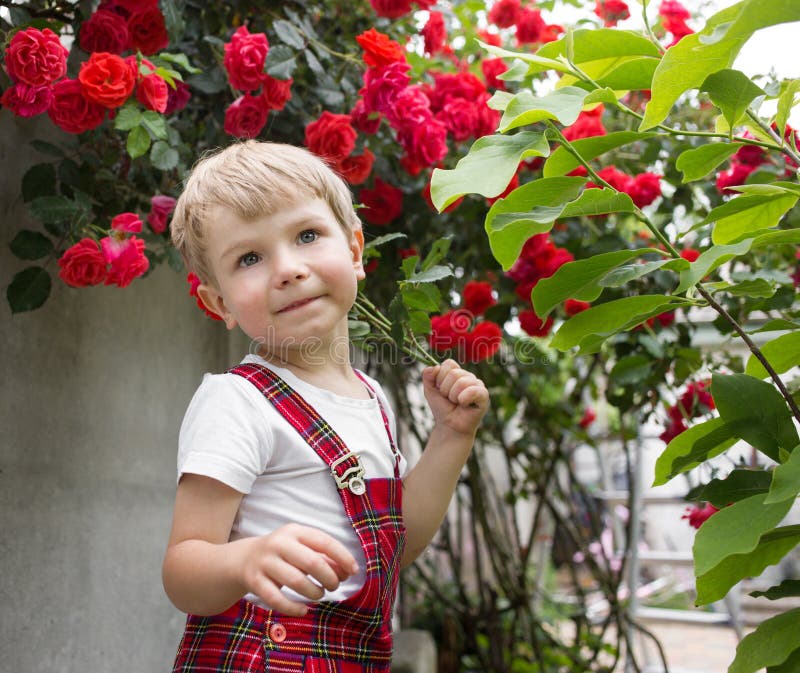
[
  {"x": 356, "y": 169},
  {"x": 410, "y": 108},
  {"x": 194, "y": 282},
  {"x": 611, "y": 11},
  {"x": 697, "y": 515},
  {"x": 244, "y": 59},
  {"x": 690, "y": 254},
  {"x": 510, "y": 187},
  {"x": 331, "y": 136},
  {"x": 382, "y": 203},
  {"x": 152, "y": 92},
  {"x": 106, "y": 80},
  {"x": 426, "y": 194},
  {"x": 492, "y": 68},
  {"x": 491, "y": 38},
  {"x": 104, "y": 31},
  {"x": 483, "y": 341},
  {"x": 587, "y": 125},
  {"x": 588, "y": 418},
  {"x": 449, "y": 330},
  {"x": 575, "y": 306},
  {"x": 126, "y": 7},
  {"x": 460, "y": 117},
  {"x": 178, "y": 97},
  {"x": 148, "y": 31},
  {"x": 276, "y": 92},
  {"x": 673, "y": 430},
  {"x": 530, "y": 25},
  {"x": 620, "y": 181},
  {"x": 734, "y": 176},
  {"x": 379, "y": 49},
  {"x": 533, "y": 324},
  {"x": 425, "y": 145},
  {"x": 391, "y": 9},
  {"x": 27, "y": 101},
  {"x": 82, "y": 264},
  {"x": 127, "y": 222},
  {"x": 751, "y": 154},
  {"x": 246, "y": 116},
  {"x": 364, "y": 121},
  {"x": 504, "y": 13},
  {"x": 454, "y": 85},
  {"x": 160, "y": 208},
  {"x": 434, "y": 33},
  {"x": 645, "y": 189},
  {"x": 71, "y": 111},
  {"x": 478, "y": 295},
  {"x": 127, "y": 262},
  {"x": 382, "y": 85},
  {"x": 551, "y": 32},
  {"x": 36, "y": 57}
]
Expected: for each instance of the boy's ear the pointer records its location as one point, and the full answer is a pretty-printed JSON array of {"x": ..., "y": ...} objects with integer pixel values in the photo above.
[
  {"x": 357, "y": 248},
  {"x": 214, "y": 302}
]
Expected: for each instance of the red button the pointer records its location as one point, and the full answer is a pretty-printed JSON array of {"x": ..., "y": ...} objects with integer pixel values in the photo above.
[{"x": 277, "y": 633}]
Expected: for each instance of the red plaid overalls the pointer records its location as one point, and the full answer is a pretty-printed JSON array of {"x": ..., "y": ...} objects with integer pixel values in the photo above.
[{"x": 350, "y": 636}]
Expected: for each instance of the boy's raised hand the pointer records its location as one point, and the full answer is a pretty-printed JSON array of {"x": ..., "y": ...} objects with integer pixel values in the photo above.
[{"x": 457, "y": 398}]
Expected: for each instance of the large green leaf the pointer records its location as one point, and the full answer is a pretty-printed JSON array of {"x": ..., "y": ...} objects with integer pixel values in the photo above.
[
  {"x": 578, "y": 280},
  {"x": 692, "y": 447},
  {"x": 771, "y": 644},
  {"x": 563, "y": 105},
  {"x": 628, "y": 272},
  {"x": 528, "y": 210},
  {"x": 590, "y": 328},
  {"x": 698, "y": 162},
  {"x": 731, "y": 91},
  {"x": 751, "y": 214},
  {"x": 738, "y": 485},
  {"x": 53, "y": 209},
  {"x": 790, "y": 665},
  {"x": 29, "y": 289},
  {"x": 785, "y": 479},
  {"x": 619, "y": 73},
  {"x": 782, "y": 590},
  {"x": 733, "y": 530},
  {"x": 786, "y": 102},
  {"x": 562, "y": 161},
  {"x": 599, "y": 44},
  {"x": 771, "y": 548},
  {"x": 31, "y": 245},
  {"x": 755, "y": 412},
  {"x": 687, "y": 64},
  {"x": 487, "y": 168},
  {"x": 782, "y": 353}
]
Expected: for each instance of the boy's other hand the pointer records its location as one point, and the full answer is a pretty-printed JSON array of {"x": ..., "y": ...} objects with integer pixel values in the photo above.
[
  {"x": 457, "y": 398},
  {"x": 301, "y": 558}
]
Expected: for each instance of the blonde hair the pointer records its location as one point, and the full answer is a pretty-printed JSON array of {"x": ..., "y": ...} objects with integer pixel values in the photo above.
[{"x": 252, "y": 179}]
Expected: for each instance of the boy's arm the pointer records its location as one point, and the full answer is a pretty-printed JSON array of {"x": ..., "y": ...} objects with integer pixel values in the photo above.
[
  {"x": 204, "y": 574},
  {"x": 458, "y": 400}
]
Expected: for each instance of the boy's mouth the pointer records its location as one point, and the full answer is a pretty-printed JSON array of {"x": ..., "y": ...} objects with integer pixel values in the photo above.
[{"x": 297, "y": 304}]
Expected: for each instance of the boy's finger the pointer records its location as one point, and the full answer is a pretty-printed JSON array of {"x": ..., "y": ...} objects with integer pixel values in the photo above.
[{"x": 330, "y": 548}]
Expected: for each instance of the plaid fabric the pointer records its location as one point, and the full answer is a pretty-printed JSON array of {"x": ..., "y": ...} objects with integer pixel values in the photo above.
[{"x": 350, "y": 636}]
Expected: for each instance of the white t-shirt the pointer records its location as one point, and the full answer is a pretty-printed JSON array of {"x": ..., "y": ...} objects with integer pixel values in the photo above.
[{"x": 233, "y": 434}]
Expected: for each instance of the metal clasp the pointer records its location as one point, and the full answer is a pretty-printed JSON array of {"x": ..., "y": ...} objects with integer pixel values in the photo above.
[{"x": 352, "y": 477}]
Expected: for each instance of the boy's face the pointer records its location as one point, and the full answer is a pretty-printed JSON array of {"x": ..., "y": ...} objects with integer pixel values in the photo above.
[{"x": 286, "y": 279}]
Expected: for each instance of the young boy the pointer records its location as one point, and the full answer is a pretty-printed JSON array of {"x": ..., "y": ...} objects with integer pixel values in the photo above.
[{"x": 288, "y": 534}]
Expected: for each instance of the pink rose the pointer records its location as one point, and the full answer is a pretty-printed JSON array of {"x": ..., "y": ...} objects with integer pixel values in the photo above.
[
  {"x": 127, "y": 222},
  {"x": 434, "y": 33},
  {"x": 366, "y": 122},
  {"x": 410, "y": 108},
  {"x": 194, "y": 283},
  {"x": 244, "y": 59},
  {"x": 460, "y": 116},
  {"x": 36, "y": 57},
  {"x": 127, "y": 261},
  {"x": 492, "y": 68},
  {"x": 161, "y": 206},
  {"x": 82, "y": 264},
  {"x": 425, "y": 145},
  {"x": 246, "y": 116},
  {"x": 27, "y": 101},
  {"x": 382, "y": 85},
  {"x": 71, "y": 111}
]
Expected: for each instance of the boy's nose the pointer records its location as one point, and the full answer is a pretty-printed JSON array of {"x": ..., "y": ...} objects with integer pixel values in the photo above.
[{"x": 289, "y": 268}]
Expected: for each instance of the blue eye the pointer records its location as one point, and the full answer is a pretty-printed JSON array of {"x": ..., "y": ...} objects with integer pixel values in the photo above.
[
  {"x": 308, "y": 236},
  {"x": 248, "y": 259}
]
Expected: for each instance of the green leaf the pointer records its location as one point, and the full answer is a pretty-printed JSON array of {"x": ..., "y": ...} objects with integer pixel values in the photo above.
[
  {"x": 771, "y": 548},
  {"x": 698, "y": 162},
  {"x": 358, "y": 328},
  {"x": 600, "y": 43},
  {"x": 756, "y": 287},
  {"x": 31, "y": 245},
  {"x": 431, "y": 275},
  {"x": 738, "y": 485},
  {"x": 735, "y": 529},
  {"x": 138, "y": 142},
  {"x": 773, "y": 326},
  {"x": 578, "y": 280},
  {"x": 562, "y": 161},
  {"x": 731, "y": 91},
  {"x": 53, "y": 209},
  {"x": 563, "y": 105},
  {"x": 419, "y": 322},
  {"x": 156, "y": 124},
  {"x": 783, "y": 590},
  {"x": 29, "y": 289},
  {"x": 692, "y": 447},
  {"x": 617, "y": 73},
  {"x": 437, "y": 252},
  {"x": 180, "y": 60},
  {"x": 751, "y": 213},
  {"x": 687, "y": 64},
  {"x": 528, "y": 210},
  {"x": 755, "y": 412},
  {"x": 211, "y": 82},
  {"x": 380, "y": 240},
  {"x": 709, "y": 260},
  {"x": 487, "y": 168},
  {"x": 47, "y": 148},
  {"x": 288, "y": 34},
  {"x": 785, "y": 480},
  {"x": 786, "y": 102},
  {"x": 415, "y": 298},
  {"x": 782, "y": 353},
  {"x": 39, "y": 180},
  {"x": 631, "y": 369},
  {"x": 629, "y": 272},
  {"x": 280, "y": 62},
  {"x": 590, "y": 328},
  {"x": 163, "y": 157},
  {"x": 773, "y": 641},
  {"x": 536, "y": 63},
  {"x": 128, "y": 117},
  {"x": 790, "y": 665}
]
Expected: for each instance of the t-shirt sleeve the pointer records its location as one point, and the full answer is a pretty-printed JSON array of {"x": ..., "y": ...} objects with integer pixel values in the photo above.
[{"x": 225, "y": 433}]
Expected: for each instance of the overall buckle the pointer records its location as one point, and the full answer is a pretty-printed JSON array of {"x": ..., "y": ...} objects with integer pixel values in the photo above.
[{"x": 352, "y": 477}]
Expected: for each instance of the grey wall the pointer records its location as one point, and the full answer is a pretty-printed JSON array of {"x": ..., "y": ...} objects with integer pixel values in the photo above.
[{"x": 93, "y": 387}]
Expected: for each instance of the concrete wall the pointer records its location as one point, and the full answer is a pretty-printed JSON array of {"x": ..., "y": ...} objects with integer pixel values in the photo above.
[{"x": 93, "y": 387}]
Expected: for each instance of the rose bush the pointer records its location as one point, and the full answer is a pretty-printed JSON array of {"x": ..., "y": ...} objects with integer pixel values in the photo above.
[{"x": 573, "y": 218}]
